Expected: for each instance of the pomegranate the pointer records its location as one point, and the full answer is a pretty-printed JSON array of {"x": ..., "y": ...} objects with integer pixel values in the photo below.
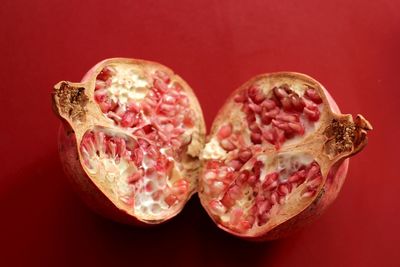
[
  {"x": 277, "y": 156},
  {"x": 130, "y": 140}
]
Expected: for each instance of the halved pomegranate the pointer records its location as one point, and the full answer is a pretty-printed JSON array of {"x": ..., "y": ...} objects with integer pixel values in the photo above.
[
  {"x": 276, "y": 156},
  {"x": 131, "y": 136}
]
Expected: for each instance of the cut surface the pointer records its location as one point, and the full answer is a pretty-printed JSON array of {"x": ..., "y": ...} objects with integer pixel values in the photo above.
[
  {"x": 267, "y": 156},
  {"x": 139, "y": 133}
]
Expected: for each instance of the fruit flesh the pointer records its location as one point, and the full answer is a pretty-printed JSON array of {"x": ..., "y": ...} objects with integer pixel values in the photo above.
[
  {"x": 262, "y": 164},
  {"x": 140, "y": 136}
]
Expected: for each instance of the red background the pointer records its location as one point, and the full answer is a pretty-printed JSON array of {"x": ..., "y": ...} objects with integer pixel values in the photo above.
[{"x": 352, "y": 47}]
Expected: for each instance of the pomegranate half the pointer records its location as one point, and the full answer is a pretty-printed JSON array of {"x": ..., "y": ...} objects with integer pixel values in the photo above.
[
  {"x": 130, "y": 141},
  {"x": 277, "y": 156}
]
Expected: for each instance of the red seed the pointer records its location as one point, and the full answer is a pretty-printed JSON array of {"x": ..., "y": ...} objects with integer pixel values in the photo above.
[
  {"x": 264, "y": 207},
  {"x": 227, "y": 201},
  {"x": 225, "y": 131},
  {"x": 284, "y": 189},
  {"x": 216, "y": 207},
  {"x": 128, "y": 119},
  {"x": 134, "y": 177},
  {"x": 255, "y": 128},
  {"x": 268, "y": 136},
  {"x": 268, "y": 104},
  {"x": 258, "y": 165},
  {"x": 312, "y": 94},
  {"x": 252, "y": 180},
  {"x": 235, "y": 164},
  {"x": 236, "y": 215},
  {"x": 286, "y": 104},
  {"x": 170, "y": 199},
  {"x": 311, "y": 114},
  {"x": 227, "y": 145},
  {"x": 287, "y": 117},
  {"x": 163, "y": 76},
  {"x": 296, "y": 127},
  {"x": 272, "y": 113},
  {"x": 255, "y": 138},
  {"x": 242, "y": 178},
  {"x": 280, "y": 93},
  {"x": 256, "y": 95},
  {"x": 160, "y": 85},
  {"x": 255, "y": 108},
  {"x": 297, "y": 103},
  {"x": 265, "y": 119},
  {"x": 245, "y": 225},
  {"x": 270, "y": 178},
  {"x": 240, "y": 98},
  {"x": 274, "y": 198},
  {"x": 245, "y": 155}
]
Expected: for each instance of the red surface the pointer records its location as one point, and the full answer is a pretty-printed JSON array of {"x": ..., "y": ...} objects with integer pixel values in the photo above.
[{"x": 352, "y": 47}]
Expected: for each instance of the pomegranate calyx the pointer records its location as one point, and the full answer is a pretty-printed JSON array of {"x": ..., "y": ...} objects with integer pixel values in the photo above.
[
  {"x": 69, "y": 101},
  {"x": 346, "y": 136}
]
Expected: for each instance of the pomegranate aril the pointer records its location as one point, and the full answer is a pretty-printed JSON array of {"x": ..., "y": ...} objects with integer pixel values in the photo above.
[
  {"x": 217, "y": 207},
  {"x": 256, "y": 95},
  {"x": 235, "y": 164},
  {"x": 245, "y": 155},
  {"x": 280, "y": 93},
  {"x": 255, "y": 138},
  {"x": 236, "y": 215},
  {"x": 225, "y": 131},
  {"x": 311, "y": 113},
  {"x": 268, "y": 104},
  {"x": 171, "y": 200},
  {"x": 313, "y": 96},
  {"x": 255, "y": 108},
  {"x": 227, "y": 145}
]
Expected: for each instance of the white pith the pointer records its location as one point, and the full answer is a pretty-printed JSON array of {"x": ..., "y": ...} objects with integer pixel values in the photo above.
[
  {"x": 129, "y": 83},
  {"x": 213, "y": 150}
]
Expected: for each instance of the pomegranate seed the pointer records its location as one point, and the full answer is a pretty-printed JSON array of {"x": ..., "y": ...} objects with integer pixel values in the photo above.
[
  {"x": 255, "y": 95},
  {"x": 252, "y": 180},
  {"x": 296, "y": 127},
  {"x": 225, "y": 131},
  {"x": 297, "y": 103},
  {"x": 170, "y": 199},
  {"x": 227, "y": 145},
  {"x": 235, "y": 164},
  {"x": 313, "y": 96},
  {"x": 280, "y": 93},
  {"x": 245, "y": 155},
  {"x": 264, "y": 207},
  {"x": 128, "y": 119},
  {"x": 240, "y": 98},
  {"x": 268, "y": 136},
  {"x": 163, "y": 76},
  {"x": 270, "y": 178},
  {"x": 227, "y": 201},
  {"x": 287, "y": 117},
  {"x": 255, "y": 138},
  {"x": 105, "y": 74},
  {"x": 255, "y": 108},
  {"x": 236, "y": 215},
  {"x": 265, "y": 119},
  {"x": 235, "y": 192},
  {"x": 268, "y": 104},
  {"x": 245, "y": 225},
  {"x": 216, "y": 207},
  {"x": 134, "y": 178},
  {"x": 274, "y": 198},
  {"x": 286, "y": 104},
  {"x": 284, "y": 189},
  {"x": 312, "y": 115},
  {"x": 242, "y": 178}
]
